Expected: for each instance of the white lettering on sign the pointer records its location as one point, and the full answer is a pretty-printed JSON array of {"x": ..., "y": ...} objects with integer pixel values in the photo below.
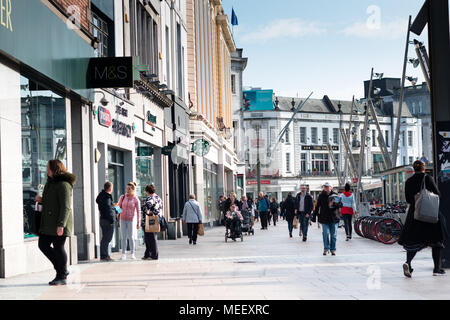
[{"x": 5, "y": 14}]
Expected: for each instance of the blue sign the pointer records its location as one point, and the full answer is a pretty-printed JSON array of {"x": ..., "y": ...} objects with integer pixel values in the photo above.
[{"x": 258, "y": 100}]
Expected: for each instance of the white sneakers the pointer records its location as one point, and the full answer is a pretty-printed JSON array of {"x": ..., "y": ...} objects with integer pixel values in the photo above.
[{"x": 124, "y": 257}]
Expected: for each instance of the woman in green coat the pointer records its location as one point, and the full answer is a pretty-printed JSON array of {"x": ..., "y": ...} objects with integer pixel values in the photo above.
[{"x": 56, "y": 219}]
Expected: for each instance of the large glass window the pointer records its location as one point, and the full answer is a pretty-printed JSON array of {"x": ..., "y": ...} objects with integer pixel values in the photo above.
[
  {"x": 145, "y": 167},
  {"x": 43, "y": 114},
  {"x": 210, "y": 190},
  {"x": 320, "y": 162}
]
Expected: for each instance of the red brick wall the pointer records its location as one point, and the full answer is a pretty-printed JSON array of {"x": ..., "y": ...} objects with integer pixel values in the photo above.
[{"x": 84, "y": 6}]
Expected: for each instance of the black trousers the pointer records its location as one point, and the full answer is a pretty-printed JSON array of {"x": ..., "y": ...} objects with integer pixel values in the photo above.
[
  {"x": 435, "y": 253},
  {"x": 53, "y": 248},
  {"x": 275, "y": 218},
  {"x": 107, "y": 235},
  {"x": 151, "y": 245},
  {"x": 348, "y": 224},
  {"x": 192, "y": 231},
  {"x": 264, "y": 216}
]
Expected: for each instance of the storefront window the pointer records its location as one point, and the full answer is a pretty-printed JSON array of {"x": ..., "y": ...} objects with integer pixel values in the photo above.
[
  {"x": 210, "y": 190},
  {"x": 145, "y": 167},
  {"x": 43, "y": 115}
]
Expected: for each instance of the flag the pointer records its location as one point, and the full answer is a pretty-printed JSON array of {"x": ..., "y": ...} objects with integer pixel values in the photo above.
[{"x": 234, "y": 19}]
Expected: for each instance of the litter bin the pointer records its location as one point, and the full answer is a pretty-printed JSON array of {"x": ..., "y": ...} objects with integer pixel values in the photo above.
[{"x": 172, "y": 230}]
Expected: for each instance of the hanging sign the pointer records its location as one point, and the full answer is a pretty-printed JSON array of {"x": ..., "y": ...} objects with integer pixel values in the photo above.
[{"x": 104, "y": 117}]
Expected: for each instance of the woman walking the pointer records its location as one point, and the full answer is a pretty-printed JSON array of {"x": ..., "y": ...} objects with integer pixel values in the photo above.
[
  {"x": 417, "y": 235},
  {"x": 348, "y": 210},
  {"x": 56, "y": 219},
  {"x": 152, "y": 206},
  {"x": 274, "y": 210},
  {"x": 289, "y": 209},
  {"x": 129, "y": 219},
  {"x": 192, "y": 216}
]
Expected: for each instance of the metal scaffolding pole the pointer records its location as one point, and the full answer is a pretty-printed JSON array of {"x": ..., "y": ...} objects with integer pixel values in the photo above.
[{"x": 402, "y": 93}]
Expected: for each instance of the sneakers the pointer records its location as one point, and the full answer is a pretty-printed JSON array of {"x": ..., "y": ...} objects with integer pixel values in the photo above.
[
  {"x": 133, "y": 257},
  {"x": 194, "y": 243},
  {"x": 325, "y": 252},
  {"x": 439, "y": 272},
  {"x": 124, "y": 257},
  {"x": 333, "y": 253},
  {"x": 407, "y": 270}
]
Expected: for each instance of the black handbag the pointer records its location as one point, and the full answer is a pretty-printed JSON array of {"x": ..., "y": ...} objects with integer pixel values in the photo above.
[
  {"x": 36, "y": 224},
  {"x": 163, "y": 223}
]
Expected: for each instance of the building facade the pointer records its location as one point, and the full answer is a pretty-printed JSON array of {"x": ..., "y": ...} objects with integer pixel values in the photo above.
[
  {"x": 303, "y": 157},
  {"x": 213, "y": 160}
]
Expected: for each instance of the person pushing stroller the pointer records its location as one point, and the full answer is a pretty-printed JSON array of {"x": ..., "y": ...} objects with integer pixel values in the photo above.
[{"x": 233, "y": 222}]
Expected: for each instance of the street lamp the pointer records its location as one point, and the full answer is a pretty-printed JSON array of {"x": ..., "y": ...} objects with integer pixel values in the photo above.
[
  {"x": 293, "y": 104},
  {"x": 414, "y": 62},
  {"x": 277, "y": 102},
  {"x": 412, "y": 80},
  {"x": 379, "y": 75}
]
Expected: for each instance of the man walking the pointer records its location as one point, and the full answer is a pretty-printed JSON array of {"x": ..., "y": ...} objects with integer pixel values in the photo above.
[
  {"x": 107, "y": 219},
  {"x": 263, "y": 208},
  {"x": 303, "y": 209},
  {"x": 327, "y": 211}
]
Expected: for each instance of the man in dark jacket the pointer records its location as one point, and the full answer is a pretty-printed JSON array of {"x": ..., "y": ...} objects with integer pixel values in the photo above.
[
  {"x": 329, "y": 216},
  {"x": 303, "y": 209},
  {"x": 107, "y": 219}
]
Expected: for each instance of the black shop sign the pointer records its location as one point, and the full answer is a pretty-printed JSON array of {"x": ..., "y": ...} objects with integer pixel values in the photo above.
[
  {"x": 121, "y": 128},
  {"x": 114, "y": 72}
]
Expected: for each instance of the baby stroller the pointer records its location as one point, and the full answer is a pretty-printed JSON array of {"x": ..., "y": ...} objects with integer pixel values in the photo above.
[
  {"x": 233, "y": 228},
  {"x": 247, "y": 225}
]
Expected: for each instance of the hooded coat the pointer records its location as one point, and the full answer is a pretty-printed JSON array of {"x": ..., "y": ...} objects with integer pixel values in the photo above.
[{"x": 57, "y": 204}]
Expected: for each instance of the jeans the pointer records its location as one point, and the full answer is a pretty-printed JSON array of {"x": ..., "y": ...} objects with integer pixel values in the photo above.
[
  {"x": 56, "y": 254},
  {"x": 264, "y": 217},
  {"x": 107, "y": 235},
  {"x": 151, "y": 245},
  {"x": 304, "y": 224},
  {"x": 290, "y": 225},
  {"x": 329, "y": 232},
  {"x": 127, "y": 234},
  {"x": 348, "y": 224},
  {"x": 192, "y": 231}
]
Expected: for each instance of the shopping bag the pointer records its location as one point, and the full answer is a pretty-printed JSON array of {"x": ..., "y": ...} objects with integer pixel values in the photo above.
[
  {"x": 295, "y": 223},
  {"x": 201, "y": 229},
  {"x": 152, "y": 224},
  {"x": 426, "y": 206}
]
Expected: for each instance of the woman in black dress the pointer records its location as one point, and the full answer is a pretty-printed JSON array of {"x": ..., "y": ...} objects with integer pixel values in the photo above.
[{"x": 417, "y": 235}]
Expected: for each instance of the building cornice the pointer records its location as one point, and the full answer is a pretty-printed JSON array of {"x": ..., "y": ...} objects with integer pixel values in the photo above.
[{"x": 222, "y": 20}]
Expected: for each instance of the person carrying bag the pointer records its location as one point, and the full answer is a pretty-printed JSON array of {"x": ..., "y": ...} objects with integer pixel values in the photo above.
[
  {"x": 192, "y": 216},
  {"x": 426, "y": 205}
]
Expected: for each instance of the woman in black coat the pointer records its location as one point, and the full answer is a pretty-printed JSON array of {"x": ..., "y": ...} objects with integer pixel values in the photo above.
[
  {"x": 417, "y": 235},
  {"x": 289, "y": 208}
]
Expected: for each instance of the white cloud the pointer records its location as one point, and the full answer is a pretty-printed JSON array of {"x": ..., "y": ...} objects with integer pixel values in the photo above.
[
  {"x": 391, "y": 30},
  {"x": 284, "y": 28}
]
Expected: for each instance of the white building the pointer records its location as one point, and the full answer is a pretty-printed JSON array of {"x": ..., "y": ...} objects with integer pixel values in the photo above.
[{"x": 303, "y": 156}]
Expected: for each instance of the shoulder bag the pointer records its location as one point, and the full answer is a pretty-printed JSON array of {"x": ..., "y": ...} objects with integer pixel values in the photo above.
[{"x": 426, "y": 205}]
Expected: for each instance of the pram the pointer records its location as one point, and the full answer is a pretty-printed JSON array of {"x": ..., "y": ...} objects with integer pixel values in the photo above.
[
  {"x": 233, "y": 228},
  {"x": 247, "y": 224}
]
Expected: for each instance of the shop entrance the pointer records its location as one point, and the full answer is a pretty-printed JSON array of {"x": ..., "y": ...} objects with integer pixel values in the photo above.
[{"x": 117, "y": 177}]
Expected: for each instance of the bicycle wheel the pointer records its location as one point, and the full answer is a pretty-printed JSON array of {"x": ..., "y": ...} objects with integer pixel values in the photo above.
[{"x": 388, "y": 231}]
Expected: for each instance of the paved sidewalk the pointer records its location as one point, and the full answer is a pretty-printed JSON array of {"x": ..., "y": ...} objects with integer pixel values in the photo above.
[{"x": 268, "y": 265}]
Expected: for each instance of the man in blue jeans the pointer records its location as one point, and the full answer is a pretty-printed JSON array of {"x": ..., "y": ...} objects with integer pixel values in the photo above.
[
  {"x": 303, "y": 209},
  {"x": 328, "y": 215}
]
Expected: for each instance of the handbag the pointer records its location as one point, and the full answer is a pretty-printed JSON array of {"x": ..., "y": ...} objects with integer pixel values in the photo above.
[
  {"x": 295, "y": 223},
  {"x": 163, "y": 224},
  {"x": 426, "y": 205},
  {"x": 152, "y": 223},
  {"x": 201, "y": 229}
]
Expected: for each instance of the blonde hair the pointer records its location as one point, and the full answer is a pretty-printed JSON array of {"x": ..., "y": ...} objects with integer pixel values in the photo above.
[{"x": 132, "y": 185}]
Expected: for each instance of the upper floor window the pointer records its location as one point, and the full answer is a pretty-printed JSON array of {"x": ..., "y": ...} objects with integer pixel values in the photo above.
[
  {"x": 314, "y": 135},
  {"x": 303, "y": 135},
  {"x": 335, "y": 136},
  {"x": 325, "y": 136},
  {"x": 233, "y": 84},
  {"x": 100, "y": 30}
]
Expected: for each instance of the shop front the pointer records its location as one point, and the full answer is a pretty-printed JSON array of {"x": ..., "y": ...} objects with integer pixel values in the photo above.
[{"x": 36, "y": 124}]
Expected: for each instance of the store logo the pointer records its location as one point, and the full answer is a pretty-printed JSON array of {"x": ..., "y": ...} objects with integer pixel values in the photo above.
[
  {"x": 109, "y": 72},
  {"x": 5, "y": 14},
  {"x": 104, "y": 117}
]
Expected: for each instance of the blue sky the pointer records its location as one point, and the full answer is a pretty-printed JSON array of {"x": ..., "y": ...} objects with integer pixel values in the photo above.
[{"x": 325, "y": 46}]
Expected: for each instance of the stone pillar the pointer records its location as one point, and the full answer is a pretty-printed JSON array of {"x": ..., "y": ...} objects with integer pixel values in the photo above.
[{"x": 81, "y": 159}]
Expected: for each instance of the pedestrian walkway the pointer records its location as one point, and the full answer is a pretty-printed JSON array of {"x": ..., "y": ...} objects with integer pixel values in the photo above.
[{"x": 268, "y": 265}]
